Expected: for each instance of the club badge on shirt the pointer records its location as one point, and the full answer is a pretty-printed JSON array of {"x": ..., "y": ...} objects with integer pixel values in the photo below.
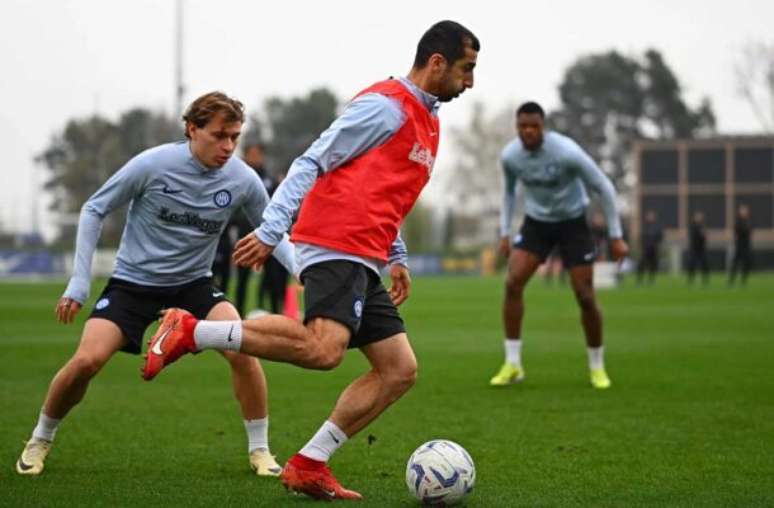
[{"x": 222, "y": 198}]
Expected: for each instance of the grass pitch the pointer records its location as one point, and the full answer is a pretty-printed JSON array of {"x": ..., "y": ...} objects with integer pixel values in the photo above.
[{"x": 689, "y": 420}]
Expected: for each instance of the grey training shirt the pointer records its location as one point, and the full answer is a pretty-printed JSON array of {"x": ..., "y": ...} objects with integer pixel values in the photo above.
[
  {"x": 555, "y": 178},
  {"x": 177, "y": 210}
]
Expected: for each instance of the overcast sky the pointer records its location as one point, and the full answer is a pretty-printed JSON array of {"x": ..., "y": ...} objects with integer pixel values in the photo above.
[{"x": 61, "y": 59}]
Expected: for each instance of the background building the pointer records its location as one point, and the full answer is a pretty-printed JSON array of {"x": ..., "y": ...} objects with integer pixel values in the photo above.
[{"x": 715, "y": 176}]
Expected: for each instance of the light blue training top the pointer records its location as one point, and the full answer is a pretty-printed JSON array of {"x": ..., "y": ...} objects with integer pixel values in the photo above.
[
  {"x": 555, "y": 178},
  {"x": 177, "y": 211},
  {"x": 367, "y": 122}
]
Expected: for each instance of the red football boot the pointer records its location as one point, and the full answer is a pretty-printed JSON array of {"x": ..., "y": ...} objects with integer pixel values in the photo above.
[
  {"x": 313, "y": 478},
  {"x": 173, "y": 339}
]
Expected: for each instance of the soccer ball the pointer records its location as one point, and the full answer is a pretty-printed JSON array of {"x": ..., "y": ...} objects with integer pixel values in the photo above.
[{"x": 440, "y": 472}]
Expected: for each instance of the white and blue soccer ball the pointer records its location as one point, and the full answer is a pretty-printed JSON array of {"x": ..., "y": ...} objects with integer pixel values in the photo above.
[{"x": 440, "y": 472}]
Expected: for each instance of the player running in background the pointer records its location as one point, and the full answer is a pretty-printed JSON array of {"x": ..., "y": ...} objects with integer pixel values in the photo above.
[
  {"x": 181, "y": 197},
  {"x": 358, "y": 182},
  {"x": 555, "y": 173}
]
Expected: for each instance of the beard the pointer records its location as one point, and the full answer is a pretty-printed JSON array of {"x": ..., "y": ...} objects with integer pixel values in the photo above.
[{"x": 448, "y": 96}]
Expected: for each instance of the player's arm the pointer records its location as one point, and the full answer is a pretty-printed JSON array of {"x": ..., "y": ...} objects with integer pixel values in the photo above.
[
  {"x": 367, "y": 122},
  {"x": 399, "y": 272},
  {"x": 257, "y": 199},
  {"x": 594, "y": 178},
  {"x": 123, "y": 186},
  {"x": 507, "y": 209}
]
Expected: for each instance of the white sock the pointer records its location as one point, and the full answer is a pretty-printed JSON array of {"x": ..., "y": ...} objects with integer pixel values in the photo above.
[
  {"x": 596, "y": 357},
  {"x": 46, "y": 427},
  {"x": 327, "y": 440},
  {"x": 220, "y": 335},
  {"x": 513, "y": 351},
  {"x": 257, "y": 434}
]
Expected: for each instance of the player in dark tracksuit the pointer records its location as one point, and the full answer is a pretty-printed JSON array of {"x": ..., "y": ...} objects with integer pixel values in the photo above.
[
  {"x": 652, "y": 235},
  {"x": 697, "y": 248},
  {"x": 742, "y": 260}
]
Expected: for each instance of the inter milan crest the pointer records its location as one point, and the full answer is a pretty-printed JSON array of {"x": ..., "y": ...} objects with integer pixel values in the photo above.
[
  {"x": 222, "y": 198},
  {"x": 357, "y": 307}
]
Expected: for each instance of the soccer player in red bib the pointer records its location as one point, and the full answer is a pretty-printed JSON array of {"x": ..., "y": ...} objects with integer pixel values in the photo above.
[{"x": 358, "y": 182}]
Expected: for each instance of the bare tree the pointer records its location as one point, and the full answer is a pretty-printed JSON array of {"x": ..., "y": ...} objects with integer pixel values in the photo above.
[
  {"x": 754, "y": 70},
  {"x": 475, "y": 184},
  {"x": 473, "y": 189}
]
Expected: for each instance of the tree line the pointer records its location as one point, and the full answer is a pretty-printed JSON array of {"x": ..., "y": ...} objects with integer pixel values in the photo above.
[{"x": 607, "y": 101}]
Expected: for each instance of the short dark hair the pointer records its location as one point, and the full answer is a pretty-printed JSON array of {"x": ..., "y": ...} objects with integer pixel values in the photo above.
[
  {"x": 530, "y": 108},
  {"x": 447, "y": 38},
  {"x": 204, "y": 109}
]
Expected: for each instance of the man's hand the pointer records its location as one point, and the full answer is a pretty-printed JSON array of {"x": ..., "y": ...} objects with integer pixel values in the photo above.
[
  {"x": 619, "y": 249},
  {"x": 505, "y": 247},
  {"x": 250, "y": 251},
  {"x": 66, "y": 309},
  {"x": 401, "y": 284}
]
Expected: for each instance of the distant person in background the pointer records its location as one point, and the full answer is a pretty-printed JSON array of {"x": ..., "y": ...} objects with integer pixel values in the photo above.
[
  {"x": 742, "y": 260},
  {"x": 650, "y": 241},
  {"x": 253, "y": 155},
  {"x": 555, "y": 173},
  {"x": 274, "y": 276},
  {"x": 697, "y": 248}
]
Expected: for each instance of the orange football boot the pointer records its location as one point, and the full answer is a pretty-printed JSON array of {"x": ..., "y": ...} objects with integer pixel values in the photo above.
[
  {"x": 313, "y": 478},
  {"x": 173, "y": 339}
]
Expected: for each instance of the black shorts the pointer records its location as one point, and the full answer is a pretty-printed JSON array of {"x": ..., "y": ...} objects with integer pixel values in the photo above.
[
  {"x": 572, "y": 237},
  {"x": 133, "y": 306},
  {"x": 353, "y": 295}
]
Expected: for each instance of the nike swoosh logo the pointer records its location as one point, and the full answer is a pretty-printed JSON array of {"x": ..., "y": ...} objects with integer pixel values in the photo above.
[
  {"x": 23, "y": 466},
  {"x": 229, "y": 339},
  {"x": 333, "y": 437},
  {"x": 167, "y": 190},
  {"x": 157, "y": 346},
  {"x": 329, "y": 493},
  {"x": 217, "y": 295}
]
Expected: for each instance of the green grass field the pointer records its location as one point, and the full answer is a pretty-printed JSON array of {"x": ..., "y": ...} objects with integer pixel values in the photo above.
[{"x": 689, "y": 420}]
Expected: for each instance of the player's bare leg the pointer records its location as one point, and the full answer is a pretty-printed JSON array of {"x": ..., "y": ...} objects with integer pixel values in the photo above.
[
  {"x": 99, "y": 341},
  {"x": 581, "y": 278},
  {"x": 522, "y": 265},
  {"x": 393, "y": 373},
  {"x": 251, "y": 392},
  {"x": 320, "y": 344}
]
